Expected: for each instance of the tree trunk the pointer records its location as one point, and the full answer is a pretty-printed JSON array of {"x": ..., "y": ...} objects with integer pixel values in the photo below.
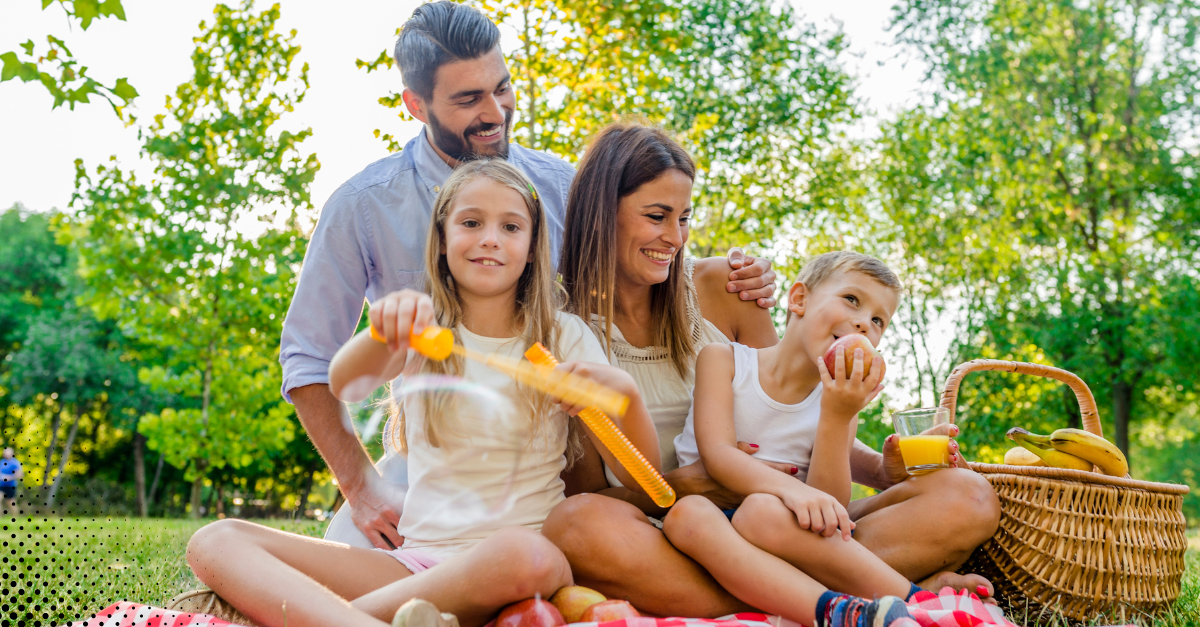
[
  {"x": 530, "y": 80},
  {"x": 66, "y": 455},
  {"x": 1122, "y": 409},
  {"x": 157, "y": 474},
  {"x": 139, "y": 472},
  {"x": 50, "y": 450},
  {"x": 304, "y": 492},
  {"x": 219, "y": 506},
  {"x": 197, "y": 488}
]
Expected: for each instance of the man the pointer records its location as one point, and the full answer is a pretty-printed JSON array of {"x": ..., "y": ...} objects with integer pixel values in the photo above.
[
  {"x": 370, "y": 239},
  {"x": 10, "y": 473}
]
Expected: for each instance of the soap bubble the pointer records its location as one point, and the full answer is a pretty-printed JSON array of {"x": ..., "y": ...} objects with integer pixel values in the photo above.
[{"x": 480, "y": 438}]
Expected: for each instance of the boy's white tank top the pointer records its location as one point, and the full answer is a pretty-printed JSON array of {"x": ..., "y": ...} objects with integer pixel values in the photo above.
[{"x": 784, "y": 433}]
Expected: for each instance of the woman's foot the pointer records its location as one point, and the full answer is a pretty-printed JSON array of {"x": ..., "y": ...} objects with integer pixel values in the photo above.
[
  {"x": 975, "y": 584},
  {"x": 422, "y": 613}
]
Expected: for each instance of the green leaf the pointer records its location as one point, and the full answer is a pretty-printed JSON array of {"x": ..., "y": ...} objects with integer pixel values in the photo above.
[
  {"x": 124, "y": 90},
  {"x": 113, "y": 8},
  {"x": 28, "y": 47},
  {"x": 86, "y": 11}
]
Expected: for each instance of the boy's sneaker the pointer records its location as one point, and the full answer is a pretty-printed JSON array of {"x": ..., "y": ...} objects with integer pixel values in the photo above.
[
  {"x": 422, "y": 613},
  {"x": 883, "y": 612}
]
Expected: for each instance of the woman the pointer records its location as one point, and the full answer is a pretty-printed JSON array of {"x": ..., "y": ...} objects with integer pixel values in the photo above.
[{"x": 625, "y": 272}]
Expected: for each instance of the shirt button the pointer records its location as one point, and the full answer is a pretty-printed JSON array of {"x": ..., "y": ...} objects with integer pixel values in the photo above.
[{"x": 437, "y": 189}]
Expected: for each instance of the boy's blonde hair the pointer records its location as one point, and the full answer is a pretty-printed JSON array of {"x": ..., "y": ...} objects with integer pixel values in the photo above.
[
  {"x": 538, "y": 300},
  {"x": 823, "y": 267}
]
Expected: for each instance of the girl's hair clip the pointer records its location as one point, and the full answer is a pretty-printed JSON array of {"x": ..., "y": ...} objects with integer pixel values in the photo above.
[{"x": 532, "y": 190}]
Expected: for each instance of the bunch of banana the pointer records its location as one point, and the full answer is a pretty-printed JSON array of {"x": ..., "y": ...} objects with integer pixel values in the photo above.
[{"x": 1075, "y": 449}]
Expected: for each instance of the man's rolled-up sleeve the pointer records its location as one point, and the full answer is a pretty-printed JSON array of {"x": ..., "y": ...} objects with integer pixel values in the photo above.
[{"x": 328, "y": 302}]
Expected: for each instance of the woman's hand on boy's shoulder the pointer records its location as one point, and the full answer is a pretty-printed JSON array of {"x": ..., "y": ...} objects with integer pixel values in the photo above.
[
  {"x": 400, "y": 313},
  {"x": 844, "y": 395}
]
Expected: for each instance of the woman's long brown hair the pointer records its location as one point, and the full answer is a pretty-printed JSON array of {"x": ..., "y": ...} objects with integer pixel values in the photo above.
[{"x": 621, "y": 158}]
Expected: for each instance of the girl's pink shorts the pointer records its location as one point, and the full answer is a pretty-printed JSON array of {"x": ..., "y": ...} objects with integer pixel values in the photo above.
[{"x": 413, "y": 559}]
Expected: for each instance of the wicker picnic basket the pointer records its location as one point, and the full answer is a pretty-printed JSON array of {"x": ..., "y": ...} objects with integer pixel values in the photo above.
[{"x": 1076, "y": 542}]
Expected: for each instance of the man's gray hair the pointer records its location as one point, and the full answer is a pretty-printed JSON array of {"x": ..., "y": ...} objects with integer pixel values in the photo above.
[{"x": 439, "y": 33}]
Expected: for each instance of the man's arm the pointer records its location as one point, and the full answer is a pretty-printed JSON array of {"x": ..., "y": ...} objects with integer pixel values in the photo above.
[
  {"x": 323, "y": 315},
  {"x": 374, "y": 500}
]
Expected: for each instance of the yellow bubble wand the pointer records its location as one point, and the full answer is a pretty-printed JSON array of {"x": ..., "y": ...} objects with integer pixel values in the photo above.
[
  {"x": 438, "y": 343},
  {"x": 612, "y": 438}
]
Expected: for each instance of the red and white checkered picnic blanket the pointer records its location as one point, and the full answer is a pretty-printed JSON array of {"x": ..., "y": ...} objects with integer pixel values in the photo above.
[{"x": 945, "y": 609}]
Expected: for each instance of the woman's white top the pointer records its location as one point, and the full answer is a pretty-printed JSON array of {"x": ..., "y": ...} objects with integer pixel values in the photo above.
[
  {"x": 668, "y": 396},
  {"x": 495, "y": 471},
  {"x": 783, "y": 433}
]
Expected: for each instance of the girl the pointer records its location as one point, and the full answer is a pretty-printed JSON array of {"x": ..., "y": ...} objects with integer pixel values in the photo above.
[{"x": 491, "y": 282}]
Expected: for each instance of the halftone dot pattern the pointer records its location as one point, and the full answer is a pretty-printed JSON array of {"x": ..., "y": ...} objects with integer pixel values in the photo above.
[{"x": 57, "y": 569}]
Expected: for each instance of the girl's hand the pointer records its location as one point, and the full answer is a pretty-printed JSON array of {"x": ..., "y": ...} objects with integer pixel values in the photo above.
[
  {"x": 400, "y": 313},
  {"x": 818, "y": 511},
  {"x": 842, "y": 398},
  {"x": 610, "y": 377}
]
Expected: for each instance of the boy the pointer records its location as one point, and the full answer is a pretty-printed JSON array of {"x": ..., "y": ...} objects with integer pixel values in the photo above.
[{"x": 777, "y": 551}]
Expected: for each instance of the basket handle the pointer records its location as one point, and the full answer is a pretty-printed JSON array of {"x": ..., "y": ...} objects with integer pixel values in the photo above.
[{"x": 1087, "y": 402}]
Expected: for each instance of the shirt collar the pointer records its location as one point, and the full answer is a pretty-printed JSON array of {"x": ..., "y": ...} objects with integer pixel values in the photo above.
[{"x": 432, "y": 169}]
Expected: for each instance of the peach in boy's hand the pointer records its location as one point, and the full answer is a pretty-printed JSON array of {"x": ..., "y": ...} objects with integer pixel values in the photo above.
[
  {"x": 843, "y": 396},
  {"x": 848, "y": 343}
]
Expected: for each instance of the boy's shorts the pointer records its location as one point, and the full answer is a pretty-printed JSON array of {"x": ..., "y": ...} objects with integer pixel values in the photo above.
[{"x": 9, "y": 491}]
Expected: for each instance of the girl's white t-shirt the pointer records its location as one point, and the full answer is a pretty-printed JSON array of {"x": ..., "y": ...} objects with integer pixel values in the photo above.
[
  {"x": 784, "y": 433},
  {"x": 495, "y": 471}
]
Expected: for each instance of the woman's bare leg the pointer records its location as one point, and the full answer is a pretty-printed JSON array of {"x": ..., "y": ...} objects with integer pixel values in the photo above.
[
  {"x": 928, "y": 523},
  {"x": 615, "y": 550},
  {"x": 258, "y": 569},
  {"x": 511, "y": 565}
]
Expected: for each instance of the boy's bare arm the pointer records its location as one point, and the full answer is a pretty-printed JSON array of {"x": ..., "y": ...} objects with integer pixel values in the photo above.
[
  {"x": 866, "y": 467},
  {"x": 716, "y": 435},
  {"x": 829, "y": 469}
]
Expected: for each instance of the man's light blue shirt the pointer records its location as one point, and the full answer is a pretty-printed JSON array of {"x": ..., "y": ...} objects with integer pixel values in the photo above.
[{"x": 370, "y": 241}]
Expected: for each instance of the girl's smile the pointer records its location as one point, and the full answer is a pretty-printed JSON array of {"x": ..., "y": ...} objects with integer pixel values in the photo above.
[{"x": 488, "y": 239}]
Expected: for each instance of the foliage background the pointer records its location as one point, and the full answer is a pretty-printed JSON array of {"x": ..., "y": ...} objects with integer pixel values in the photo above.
[{"x": 1039, "y": 203}]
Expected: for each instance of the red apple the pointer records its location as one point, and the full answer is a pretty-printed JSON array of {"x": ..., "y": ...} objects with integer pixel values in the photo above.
[
  {"x": 530, "y": 613},
  {"x": 573, "y": 601},
  {"x": 608, "y": 611},
  {"x": 849, "y": 343}
]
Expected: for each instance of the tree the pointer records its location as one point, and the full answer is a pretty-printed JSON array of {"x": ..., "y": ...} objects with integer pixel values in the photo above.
[
  {"x": 69, "y": 84},
  {"x": 199, "y": 262},
  {"x": 759, "y": 99},
  {"x": 1050, "y": 184}
]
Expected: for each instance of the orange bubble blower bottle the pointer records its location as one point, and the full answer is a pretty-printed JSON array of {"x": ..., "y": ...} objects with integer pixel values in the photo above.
[{"x": 616, "y": 442}]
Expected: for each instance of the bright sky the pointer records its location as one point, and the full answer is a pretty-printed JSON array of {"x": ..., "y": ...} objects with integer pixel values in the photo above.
[{"x": 152, "y": 48}]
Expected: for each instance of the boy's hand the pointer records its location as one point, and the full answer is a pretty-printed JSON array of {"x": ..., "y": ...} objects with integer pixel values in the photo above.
[
  {"x": 818, "y": 511},
  {"x": 610, "y": 377},
  {"x": 844, "y": 397},
  {"x": 400, "y": 313}
]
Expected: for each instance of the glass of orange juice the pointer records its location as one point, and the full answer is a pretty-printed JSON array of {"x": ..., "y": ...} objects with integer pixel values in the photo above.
[{"x": 923, "y": 451}]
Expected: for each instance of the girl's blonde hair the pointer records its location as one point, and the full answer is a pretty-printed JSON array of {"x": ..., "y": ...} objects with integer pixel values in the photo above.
[{"x": 538, "y": 301}]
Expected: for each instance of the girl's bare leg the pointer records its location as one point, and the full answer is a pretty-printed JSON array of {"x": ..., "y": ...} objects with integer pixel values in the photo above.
[
  {"x": 700, "y": 529},
  {"x": 257, "y": 569},
  {"x": 512, "y": 564}
]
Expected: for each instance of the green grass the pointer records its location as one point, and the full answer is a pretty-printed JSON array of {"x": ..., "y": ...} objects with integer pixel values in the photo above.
[{"x": 56, "y": 570}]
